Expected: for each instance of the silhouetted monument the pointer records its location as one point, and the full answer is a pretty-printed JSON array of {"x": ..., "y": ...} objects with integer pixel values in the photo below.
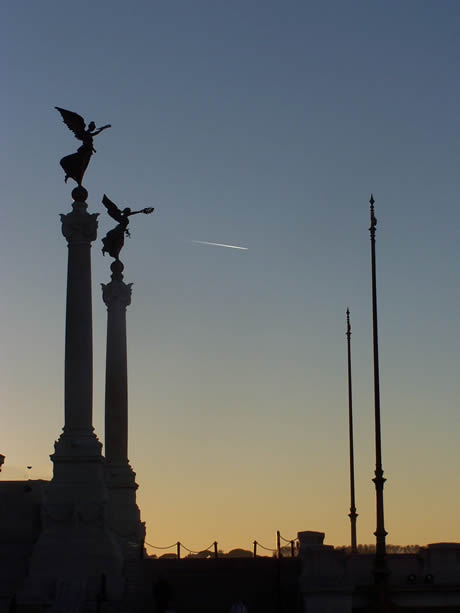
[
  {"x": 75, "y": 546},
  {"x": 124, "y": 515},
  {"x": 115, "y": 239},
  {"x": 75, "y": 164}
]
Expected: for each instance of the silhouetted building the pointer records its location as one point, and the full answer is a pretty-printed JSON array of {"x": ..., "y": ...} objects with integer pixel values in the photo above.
[{"x": 321, "y": 578}]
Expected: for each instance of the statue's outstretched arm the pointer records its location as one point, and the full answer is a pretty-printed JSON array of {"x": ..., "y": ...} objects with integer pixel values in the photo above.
[
  {"x": 147, "y": 210},
  {"x": 99, "y": 130}
]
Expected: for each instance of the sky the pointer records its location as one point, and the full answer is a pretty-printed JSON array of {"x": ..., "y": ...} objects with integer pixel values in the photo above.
[{"x": 265, "y": 125}]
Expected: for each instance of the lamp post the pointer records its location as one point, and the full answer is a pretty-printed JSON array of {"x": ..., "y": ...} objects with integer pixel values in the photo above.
[
  {"x": 380, "y": 561},
  {"x": 352, "y": 515}
]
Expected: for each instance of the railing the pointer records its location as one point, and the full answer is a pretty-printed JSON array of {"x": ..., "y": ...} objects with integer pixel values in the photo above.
[{"x": 279, "y": 551}]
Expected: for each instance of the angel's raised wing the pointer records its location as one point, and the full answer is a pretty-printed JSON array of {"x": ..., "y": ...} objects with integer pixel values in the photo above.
[
  {"x": 112, "y": 209},
  {"x": 73, "y": 121}
]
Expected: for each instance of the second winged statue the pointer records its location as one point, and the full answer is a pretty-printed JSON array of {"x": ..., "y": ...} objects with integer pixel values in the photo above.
[{"x": 115, "y": 239}]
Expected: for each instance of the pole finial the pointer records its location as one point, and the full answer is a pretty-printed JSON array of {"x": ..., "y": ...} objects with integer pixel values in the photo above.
[{"x": 373, "y": 217}]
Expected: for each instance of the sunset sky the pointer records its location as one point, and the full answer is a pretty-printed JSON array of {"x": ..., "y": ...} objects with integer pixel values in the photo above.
[{"x": 261, "y": 124}]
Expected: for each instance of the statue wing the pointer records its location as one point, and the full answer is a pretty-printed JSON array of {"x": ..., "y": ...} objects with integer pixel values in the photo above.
[
  {"x": 73, "y": 121},
  {"x": 112, "y": 209}
]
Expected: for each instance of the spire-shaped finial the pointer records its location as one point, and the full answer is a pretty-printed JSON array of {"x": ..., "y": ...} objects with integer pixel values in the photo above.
[
  {"x": 348, "y": 322},
  {"x": 373, "y": 217}
]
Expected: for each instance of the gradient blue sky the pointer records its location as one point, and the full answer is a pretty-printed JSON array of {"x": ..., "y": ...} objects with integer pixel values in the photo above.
[{"x": 267, "y": 125}]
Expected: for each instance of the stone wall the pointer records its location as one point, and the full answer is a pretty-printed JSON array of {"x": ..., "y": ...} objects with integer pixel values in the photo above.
[
  {"x": 333, "y": 581},
  {"x": 20, "y": 523}
]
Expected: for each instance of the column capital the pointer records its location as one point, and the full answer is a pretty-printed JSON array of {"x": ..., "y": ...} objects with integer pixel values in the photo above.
[
  {"x": 117, "y": 292},
  {"x": 79, "y": 226}
]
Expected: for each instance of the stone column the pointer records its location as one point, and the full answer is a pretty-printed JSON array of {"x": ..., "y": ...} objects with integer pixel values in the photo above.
[
  {"x": 78, "y": 439},
  {"x": 117, "y": 296},
  {"x": 75, "y": 547},
  {"x": 124, "y": 515},
  {"x": 79, "y": 228}
]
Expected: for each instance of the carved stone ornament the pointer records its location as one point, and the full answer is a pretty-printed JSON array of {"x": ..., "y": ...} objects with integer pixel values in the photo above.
[
  {"x": 116, "y": 293},
  {"x": 57, "y": 515},
  {"x": 92, "y": 512},
  {"x": 120, "y": 476},
  {"x": 79, "y": 226},
  {"x": 71, "y": 445}
]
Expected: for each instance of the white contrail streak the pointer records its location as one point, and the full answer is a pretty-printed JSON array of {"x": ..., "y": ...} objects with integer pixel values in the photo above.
[{"x": 220, "y": 245}]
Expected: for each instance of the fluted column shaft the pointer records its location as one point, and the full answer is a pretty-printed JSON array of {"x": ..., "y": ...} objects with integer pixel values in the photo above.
[
  {"x": 117, "y": 296},
  {"x": 123, "y": 512},
  {"x": 80, "y": 229}
]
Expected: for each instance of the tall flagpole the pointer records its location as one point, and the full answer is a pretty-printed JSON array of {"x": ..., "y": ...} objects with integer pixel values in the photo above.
[
  {"x": 352, "y": 515},
  {"x": 380, "y": 561}
]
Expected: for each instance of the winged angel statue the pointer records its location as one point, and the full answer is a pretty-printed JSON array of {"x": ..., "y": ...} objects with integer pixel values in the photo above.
[
  {"x": 75, "y": 164},
  {"x": 115, "y": 239}
]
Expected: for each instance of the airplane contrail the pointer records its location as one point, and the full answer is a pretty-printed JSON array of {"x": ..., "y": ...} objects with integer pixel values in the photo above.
[{"x": 220, "y": 245}]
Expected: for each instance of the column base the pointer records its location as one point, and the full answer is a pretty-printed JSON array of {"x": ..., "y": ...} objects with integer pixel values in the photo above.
[
  {"x": 124, "y": 514},
  {"x": 78, "y": 472},
  {"x": 76, "y": 547}
]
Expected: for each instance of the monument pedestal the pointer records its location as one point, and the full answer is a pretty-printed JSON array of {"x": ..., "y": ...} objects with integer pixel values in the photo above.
[
  {"x": 123, "y": 513},
  {"x": 76, "y": 548}
]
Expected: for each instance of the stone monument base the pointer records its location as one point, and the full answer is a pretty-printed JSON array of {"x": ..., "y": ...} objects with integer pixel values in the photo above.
[
  {"x": 124, "y": 516},
  {"x": 76, "y": 557}
]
